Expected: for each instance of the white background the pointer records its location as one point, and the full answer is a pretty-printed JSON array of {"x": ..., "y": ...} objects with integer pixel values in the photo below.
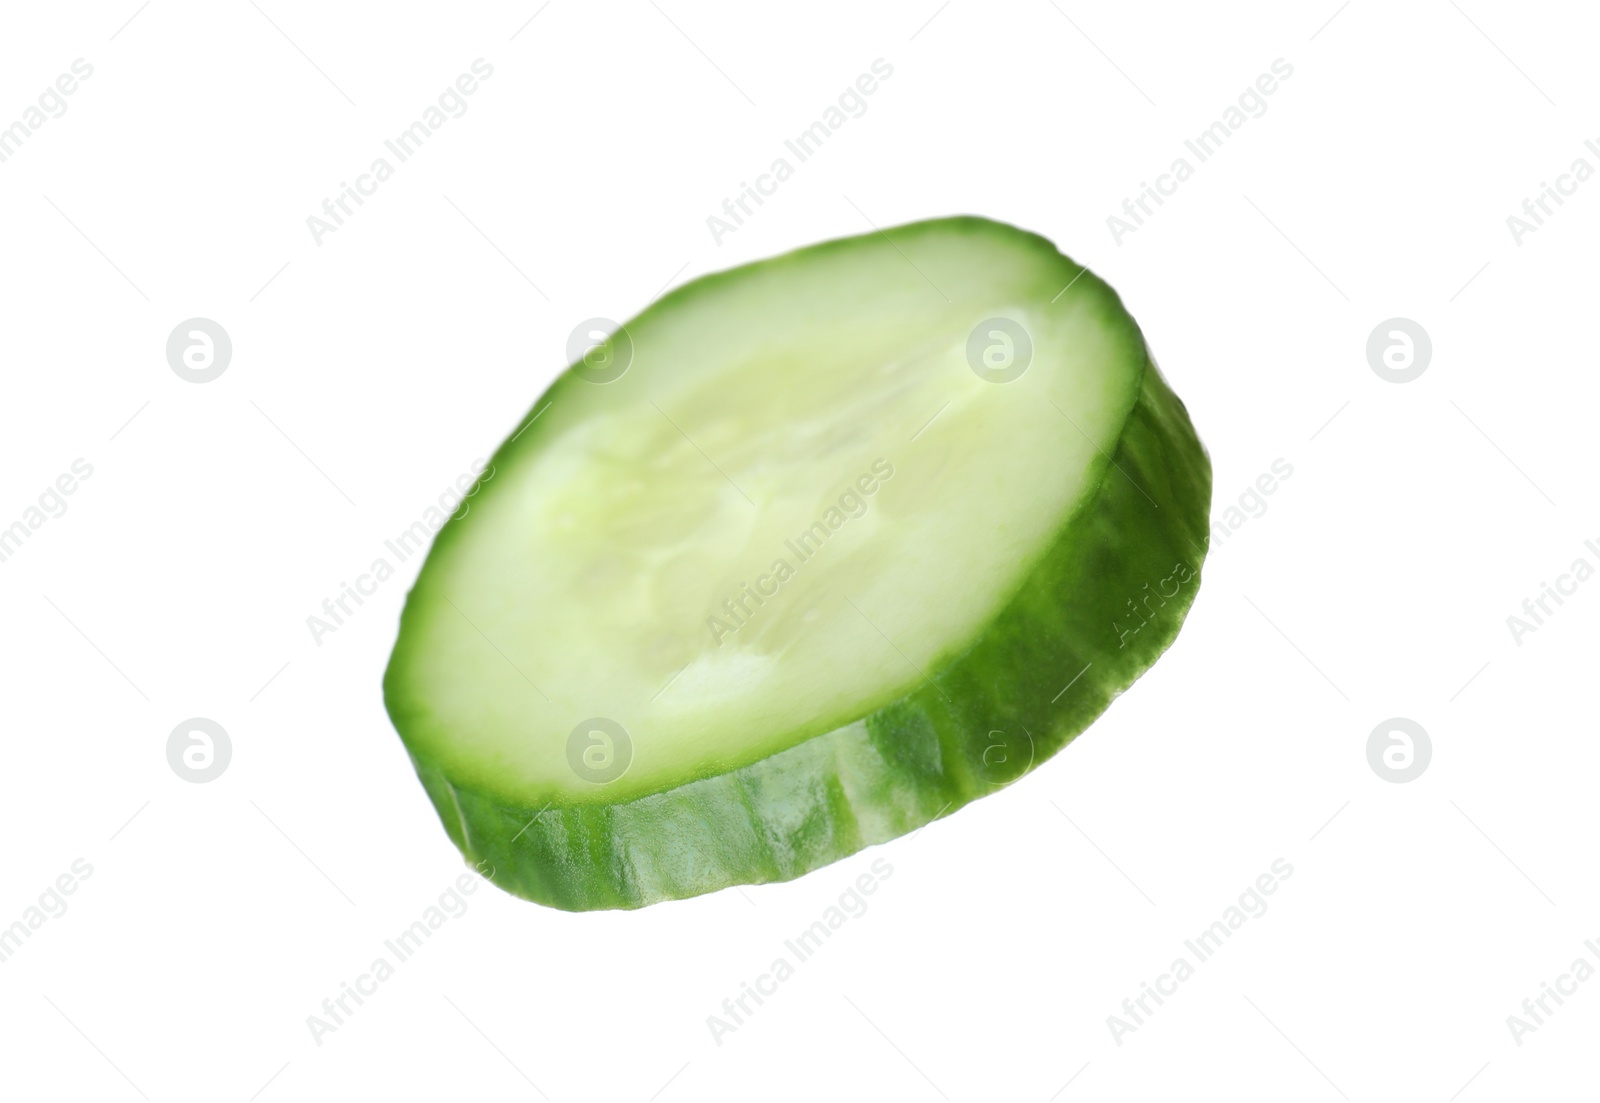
[{"x": 375, "y": 367}]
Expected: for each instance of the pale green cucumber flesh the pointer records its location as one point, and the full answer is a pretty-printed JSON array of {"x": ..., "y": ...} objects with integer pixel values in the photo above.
[{"x": 828, "y": 579}]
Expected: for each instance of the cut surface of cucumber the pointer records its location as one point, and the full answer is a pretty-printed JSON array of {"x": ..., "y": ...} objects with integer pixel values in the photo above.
[{"x": 808, "y": 553}]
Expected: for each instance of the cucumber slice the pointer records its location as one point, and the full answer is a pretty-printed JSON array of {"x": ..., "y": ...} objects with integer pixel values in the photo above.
[{"x": 810, "y": 553}]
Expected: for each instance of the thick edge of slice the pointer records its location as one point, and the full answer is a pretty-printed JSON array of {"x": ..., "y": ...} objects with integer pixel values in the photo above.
[{"x": 1077, "y": 632}]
